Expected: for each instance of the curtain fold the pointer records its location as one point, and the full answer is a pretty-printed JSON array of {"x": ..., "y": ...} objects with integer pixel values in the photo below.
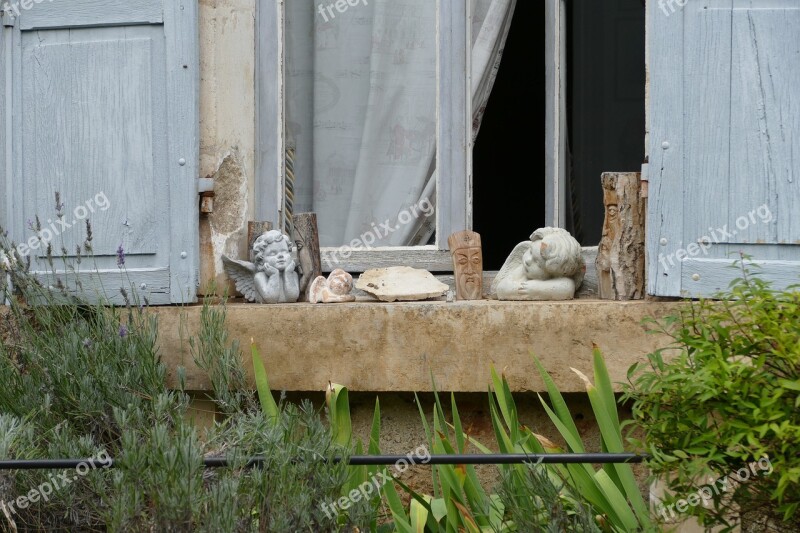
[{"x": 361, "y": 113}]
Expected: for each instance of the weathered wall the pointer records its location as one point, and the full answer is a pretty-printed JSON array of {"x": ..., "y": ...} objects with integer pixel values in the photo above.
[{"x": 227, "y": 128}]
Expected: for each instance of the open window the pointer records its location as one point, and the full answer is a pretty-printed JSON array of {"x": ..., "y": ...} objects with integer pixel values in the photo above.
[
  {"x": 371, "y": 123},
  {"x": 373, "y": 120}
]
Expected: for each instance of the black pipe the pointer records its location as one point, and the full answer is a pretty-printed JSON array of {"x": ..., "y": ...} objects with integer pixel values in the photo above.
[{"x": 360, "y": 460}]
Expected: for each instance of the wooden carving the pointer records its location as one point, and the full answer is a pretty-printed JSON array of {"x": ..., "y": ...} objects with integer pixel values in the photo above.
[
  {"x": 306, "y": 238},
  {"x": 620, "y": 256},
  {"x": 465, "y": 247}
]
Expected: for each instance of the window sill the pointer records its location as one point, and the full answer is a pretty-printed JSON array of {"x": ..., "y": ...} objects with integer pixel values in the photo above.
[{"x": 375, "y": 347}]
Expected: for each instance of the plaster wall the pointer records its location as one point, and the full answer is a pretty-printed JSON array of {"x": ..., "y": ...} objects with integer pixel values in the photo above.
[{"x": 227, "y": 130}]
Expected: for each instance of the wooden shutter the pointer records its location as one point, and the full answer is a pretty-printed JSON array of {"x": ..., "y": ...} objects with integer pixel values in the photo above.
[
  {"x": 724, "y": 110},
  {"x": 105, "y": 105}
]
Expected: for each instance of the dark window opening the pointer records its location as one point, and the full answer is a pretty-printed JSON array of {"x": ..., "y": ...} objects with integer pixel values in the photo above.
[
  {"x": 605, "y": 103},
  {"x": 509, "y": 156}
]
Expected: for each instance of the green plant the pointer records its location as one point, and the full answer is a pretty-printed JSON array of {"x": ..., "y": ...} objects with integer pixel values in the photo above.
[
  {"x": 723, "y": 396},
  {"x": 535, "y": 501},
  {"x": 573, "y": 497},
  {"x": 611, "y": 490},
  {"x": 80, "y": 377}
]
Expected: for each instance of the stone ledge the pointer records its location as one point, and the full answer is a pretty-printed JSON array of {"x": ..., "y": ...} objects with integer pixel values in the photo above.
[{"x": 397, "y": 347}]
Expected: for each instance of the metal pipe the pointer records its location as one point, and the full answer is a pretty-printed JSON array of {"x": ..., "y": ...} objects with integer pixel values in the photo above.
[{"x": 361, "y": 460}]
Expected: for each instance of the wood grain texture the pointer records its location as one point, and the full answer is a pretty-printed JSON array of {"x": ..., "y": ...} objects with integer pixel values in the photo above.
[
  {"x": 94, "y": 125},
  {"x": 361, "y": 260},
  {"x": 467, "y": 253},
  {"x": 723, "y": 145},
  {"x": 665, "y": 203},
  {"x": 270, "y": 146},
  {"x": 620, "y": 260},
  {"x": 144, "y": 286},
  {"x": 183, "y": 92},
  {"x": 706, "y": 277},
  {"x": 107, "y": 114},
  {"x": 47, "y": 15},
  {"x": 454, "y": 132},
  {"x": 306, "y": 238}
]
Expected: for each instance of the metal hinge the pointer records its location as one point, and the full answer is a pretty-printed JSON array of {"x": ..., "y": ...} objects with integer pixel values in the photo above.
[
  {"x": 8, "y": 18},
  {"x": 644, "y": 191},
  {"x": 205, "y": 188}
]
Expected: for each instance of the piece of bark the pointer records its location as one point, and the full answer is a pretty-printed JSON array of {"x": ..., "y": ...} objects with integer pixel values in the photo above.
[
  {"x": 465, "y": 247},
  {"x": 306, "y": 237},
  {"x": 621, "y": 254},
  {"x": 254, "y": 231}
]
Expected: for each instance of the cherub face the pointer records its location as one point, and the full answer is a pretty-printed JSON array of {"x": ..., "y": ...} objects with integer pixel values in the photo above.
[
  {"x": 277, "y": 254},
  {"x": 533, "y": 262}
]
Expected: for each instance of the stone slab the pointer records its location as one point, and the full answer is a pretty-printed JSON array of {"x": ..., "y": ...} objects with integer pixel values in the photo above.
[{"x": 397, "y": 347}]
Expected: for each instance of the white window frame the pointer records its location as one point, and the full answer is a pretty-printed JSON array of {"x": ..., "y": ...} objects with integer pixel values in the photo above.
[
  {"x": 453, "y": 133},
  {"x": 453, "y": 138}
]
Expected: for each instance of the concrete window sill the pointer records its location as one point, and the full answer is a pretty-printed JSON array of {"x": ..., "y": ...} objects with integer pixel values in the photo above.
[{"x": 371, "y": 346}]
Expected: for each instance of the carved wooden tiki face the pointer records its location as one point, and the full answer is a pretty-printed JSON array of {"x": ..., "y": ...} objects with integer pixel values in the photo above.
[{"x": 465, "y": 246}]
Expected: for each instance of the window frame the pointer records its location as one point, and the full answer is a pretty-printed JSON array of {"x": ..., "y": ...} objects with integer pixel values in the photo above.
[
  {"x": 454, "y": 136},
  {"x": 453, "y": 139}
]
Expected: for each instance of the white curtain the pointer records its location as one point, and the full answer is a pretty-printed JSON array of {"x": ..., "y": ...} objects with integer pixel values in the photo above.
[{"x": 361, "y": 112}]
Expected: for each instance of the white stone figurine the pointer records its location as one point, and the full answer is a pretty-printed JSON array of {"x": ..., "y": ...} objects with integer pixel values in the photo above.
[
  {"x": 548, "y": 267},
  {"x": 272, "y": 278},
  {"x": 335, "y": 289}
]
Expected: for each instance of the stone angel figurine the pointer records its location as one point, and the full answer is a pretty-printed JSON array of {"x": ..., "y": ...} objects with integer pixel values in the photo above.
[
  {"x": 548, "y": 267},
  {"x": 272, "y": 278},
  {"x": 335, "y": 289}
]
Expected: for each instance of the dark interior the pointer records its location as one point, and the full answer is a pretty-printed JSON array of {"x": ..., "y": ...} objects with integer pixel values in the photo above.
[
  {"x": 605, "y": 103},
  {"x": 606, "y": 122},
  {"x": 508, "y": 159}
]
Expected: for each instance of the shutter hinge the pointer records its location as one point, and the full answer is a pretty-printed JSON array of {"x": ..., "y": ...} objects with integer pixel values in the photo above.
[
  {"x": 205, "y": 188},
  {"x": 8, "y": 18},
  {"x": 644, "y": 191}
]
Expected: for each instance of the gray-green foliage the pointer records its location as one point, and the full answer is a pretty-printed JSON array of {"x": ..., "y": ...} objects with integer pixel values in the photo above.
[
  {"x": 78, "y": 379},
  {"x": 725, "y": 394},
  {"x": 535, "y": 502}
]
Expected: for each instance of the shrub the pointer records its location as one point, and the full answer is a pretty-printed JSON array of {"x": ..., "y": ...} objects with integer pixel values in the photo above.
[
  {"x": 723, "y": 397},
  {"x": 83, "y": 379}
]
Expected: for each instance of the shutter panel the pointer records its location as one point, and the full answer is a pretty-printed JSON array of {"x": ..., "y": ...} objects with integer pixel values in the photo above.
[
  {"x": 105, "y": 111},
  {"x": 724, "y": 143}
]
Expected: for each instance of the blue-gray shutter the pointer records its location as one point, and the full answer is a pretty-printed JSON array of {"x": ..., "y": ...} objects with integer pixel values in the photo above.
[
  {"x": 724, "y": 142},
  {"x": 105, "y": 105}
]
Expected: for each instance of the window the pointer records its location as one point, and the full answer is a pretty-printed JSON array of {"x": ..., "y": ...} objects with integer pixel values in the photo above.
[
  {"x": 367, "y": 116},
  {"x": 403, "y": 149}
]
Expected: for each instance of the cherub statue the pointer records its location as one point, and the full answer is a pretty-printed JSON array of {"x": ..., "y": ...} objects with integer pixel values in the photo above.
[
  {"x": 272, "y": 278},
  {"x": 548, "y": 267},
  {"x": 335, "y": 289}
]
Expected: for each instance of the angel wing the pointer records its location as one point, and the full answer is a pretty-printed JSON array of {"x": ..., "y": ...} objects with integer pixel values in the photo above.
[
  {"x": 242, "y": 273},
  {"x": 514, "y": 260}
]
